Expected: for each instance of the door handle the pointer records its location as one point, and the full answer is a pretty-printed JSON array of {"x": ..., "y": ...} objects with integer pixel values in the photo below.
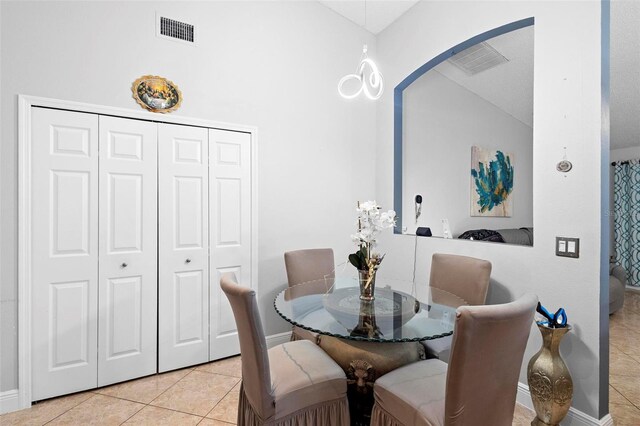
[
  {"x": 124, "y": 265},
  {"x": 188, "y": 260}
]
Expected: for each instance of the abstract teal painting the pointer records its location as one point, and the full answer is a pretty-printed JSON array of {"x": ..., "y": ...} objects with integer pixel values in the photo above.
[{"x": 491, "y": 182}]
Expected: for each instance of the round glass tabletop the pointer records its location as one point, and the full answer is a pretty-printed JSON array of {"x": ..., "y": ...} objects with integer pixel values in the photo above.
[{"x": 332, "y": 306}]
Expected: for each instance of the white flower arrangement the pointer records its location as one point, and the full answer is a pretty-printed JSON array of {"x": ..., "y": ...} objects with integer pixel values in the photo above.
[{"x": 371, "y": 222}]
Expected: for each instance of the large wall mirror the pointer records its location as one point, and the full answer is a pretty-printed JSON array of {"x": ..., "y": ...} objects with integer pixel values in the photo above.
[{"x": 464, "y": 140}]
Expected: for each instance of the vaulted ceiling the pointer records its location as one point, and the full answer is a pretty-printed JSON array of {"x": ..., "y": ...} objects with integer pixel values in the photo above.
[
  {"x": 376, "y": 15},
  {"x": 372, "y": 15}
]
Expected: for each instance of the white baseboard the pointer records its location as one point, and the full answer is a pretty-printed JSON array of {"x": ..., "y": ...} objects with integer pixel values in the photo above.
[
  {"x": 276, "y": 339},
  {"x": 606, "y": 420},
  {"x": 9, "y": 401},
  {"x": 574, "y": 417}
]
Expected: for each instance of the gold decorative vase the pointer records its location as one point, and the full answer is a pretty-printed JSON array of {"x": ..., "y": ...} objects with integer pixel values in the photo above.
[
  {"x": 549, "y": 379},
  {"x": 367, "y": 285}
]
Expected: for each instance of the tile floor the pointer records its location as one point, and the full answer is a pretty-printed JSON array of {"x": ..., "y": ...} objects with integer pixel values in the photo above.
[
  {"x": 624, "y": 362},
  {"x": 208, "y": 394},
  {"x": 205, "y": 395}
]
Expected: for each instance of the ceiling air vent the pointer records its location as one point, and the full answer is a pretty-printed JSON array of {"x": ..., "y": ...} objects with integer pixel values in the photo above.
[
  {"x": 478, "y": 58},
  {"x": 175, "y": 30}
]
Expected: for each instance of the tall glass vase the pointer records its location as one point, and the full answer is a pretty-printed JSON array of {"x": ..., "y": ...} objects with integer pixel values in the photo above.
[
  {"x": 367, "y": 326},
  {"x": 549, "y": 380},
  {"x": 367, "y": 285}
]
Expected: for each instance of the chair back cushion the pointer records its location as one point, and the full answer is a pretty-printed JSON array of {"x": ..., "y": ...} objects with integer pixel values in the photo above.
[
  {"x": 464, "y": 277},
  {"x": 486, "y": 358},
  {"x": 253, "y": 346},
  {"x": 309, "y": 265}
]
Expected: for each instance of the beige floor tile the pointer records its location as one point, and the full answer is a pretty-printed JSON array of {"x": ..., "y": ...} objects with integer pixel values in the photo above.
[
  {"x": 618, "y": 333},
  {"x": 615, "y": 318},
  {"x": 613, "y": 345},
  {"x": 212, "y": 422},
  {"x": 632, "y": 301},
  {"x": 153, "y": 416},
  {"x": 197, "y": 393},
  {"x": 616, "y": 327},
  {"x": 99, "y": 410},
  {"x": 146, "y": 389},
  {"x": 635, "y": 355},
  {"x": 44, "y": 411},
  {"x": 227, "y": 409},
  {"x": 616, "y": 397},
  {"x": 629, "y": 343},
  {"x": 624, "y": 362},
  {"x": 621, "y": 364},
  {"x": 522, "y": 416},
  {"x": 229, "y": 367},
  {"x": 629, "y": 387},
  {"x": 628, "y": 318},
  {"x": 613, "y": 349},
  {"x": 624, "y": 415}
]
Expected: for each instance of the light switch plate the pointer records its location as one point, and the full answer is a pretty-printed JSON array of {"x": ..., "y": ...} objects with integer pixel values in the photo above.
[{"x": 568, "y": 247}]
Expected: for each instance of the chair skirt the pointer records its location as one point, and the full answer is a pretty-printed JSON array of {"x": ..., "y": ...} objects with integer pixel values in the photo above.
[
  {"x": 379, "y": 417},
  {"x": 335, "y": 412}
]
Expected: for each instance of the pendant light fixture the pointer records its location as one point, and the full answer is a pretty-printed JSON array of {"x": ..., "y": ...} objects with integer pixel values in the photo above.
[{"x": 367, "y": 75}]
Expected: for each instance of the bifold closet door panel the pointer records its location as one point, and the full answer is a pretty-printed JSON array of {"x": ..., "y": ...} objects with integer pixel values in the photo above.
[
  {"x": 127, "y": 326},
  {"x": 183, "y": 244},
  {"x": 230, "y": 230},
  {"x": 64, "y": 240}
]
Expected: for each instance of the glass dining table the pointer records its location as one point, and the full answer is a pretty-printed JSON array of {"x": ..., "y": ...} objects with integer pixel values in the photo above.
[
  {"x": 368, "y": 338},
  {"x": 332, "y": 307}
]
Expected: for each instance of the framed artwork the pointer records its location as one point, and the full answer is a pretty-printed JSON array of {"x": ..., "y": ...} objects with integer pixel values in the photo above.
[
  {"x": 491, "y": 182},
  {"x": 157, "y": 94}
]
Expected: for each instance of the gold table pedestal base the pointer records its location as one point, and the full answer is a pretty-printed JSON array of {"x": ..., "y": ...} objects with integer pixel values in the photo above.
[{"x": 364, "y": 363}]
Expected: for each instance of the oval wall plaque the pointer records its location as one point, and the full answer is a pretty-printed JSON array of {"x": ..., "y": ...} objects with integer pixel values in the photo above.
[{"x": 157, "y": 94}]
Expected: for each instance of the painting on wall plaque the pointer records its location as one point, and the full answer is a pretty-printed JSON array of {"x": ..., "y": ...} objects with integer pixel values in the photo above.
[
  {"x": 157, "y": 94},
  {"x": 491, "y": 182}
]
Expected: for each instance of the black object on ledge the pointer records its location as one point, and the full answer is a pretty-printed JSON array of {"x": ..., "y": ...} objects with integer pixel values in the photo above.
[
  {"x": 423, "y": 232},
  {"x": 482, "y": 235}
]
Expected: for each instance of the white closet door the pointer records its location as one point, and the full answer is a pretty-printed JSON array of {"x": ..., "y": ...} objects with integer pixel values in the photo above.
[
  {"x": 183, "y": 246},
  {"x": 230, "y": 224},
  {"x": 64, "y": 241},
  {"x": 128, "y": 250}
]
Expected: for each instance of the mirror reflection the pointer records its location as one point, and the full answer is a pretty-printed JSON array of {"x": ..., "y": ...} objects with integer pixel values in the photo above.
[{"x": 467, "y": 144}]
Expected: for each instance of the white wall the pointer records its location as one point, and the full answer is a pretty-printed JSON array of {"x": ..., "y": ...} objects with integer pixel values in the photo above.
[
  {"x": 442, "y": 121},
  {"x": 274, "y": 65},
  {"x": 622, "y": 154},
  {"x": 567, "y": 112}
]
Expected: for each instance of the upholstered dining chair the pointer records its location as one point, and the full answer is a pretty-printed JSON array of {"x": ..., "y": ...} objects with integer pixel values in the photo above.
[
  {"x": 294, "y": 383},
  {"x": 464, "y": 281},
  {"x": 479, "y": 385},
  {"x": 308, "y": 265}
]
